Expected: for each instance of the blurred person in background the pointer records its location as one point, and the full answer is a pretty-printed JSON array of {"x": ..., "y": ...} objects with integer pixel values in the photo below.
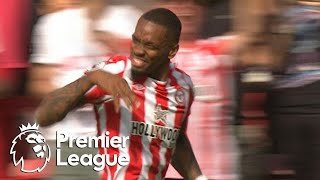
[
  {"x": 218, "y": 18},
  {"x": 210, "y": 68},
  {"x": 294, "y": 99},
  {"x": 257, "y": 50},
  {"x": 61, "y": 33},
  {"x": 70, "y": 36},
  {"x": 114, "y": 27},
  {"x": 15, "y": 32},
  {"x": 266, "y": 30},
  {"x": 254, "y": 60},
  {"x": 44, "y": 7}
]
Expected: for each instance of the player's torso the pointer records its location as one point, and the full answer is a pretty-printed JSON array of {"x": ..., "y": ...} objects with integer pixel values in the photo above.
[
  {"x": 153, "y": 127},
  {"x": 163, "y": 110}
]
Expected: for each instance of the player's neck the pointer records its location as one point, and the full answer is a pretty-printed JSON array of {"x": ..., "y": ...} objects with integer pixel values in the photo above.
[{"x": 161, "y": 75}]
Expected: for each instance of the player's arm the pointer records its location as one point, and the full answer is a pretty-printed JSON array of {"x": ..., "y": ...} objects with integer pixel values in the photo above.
[
  {"x": 184, "y": 160},
  {"x": 55, "y": 106},
  {"x": 58, "y": 103}
]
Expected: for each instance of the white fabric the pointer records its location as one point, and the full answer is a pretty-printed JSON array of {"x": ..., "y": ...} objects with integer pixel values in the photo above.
[
  {"x": 119, "y": 20},
  {"x": 201, "y": 178},
  {"x": 154, "y": 126},
  {"x": 209, "y": 131},
  {"x": 62, "y": 35},
  {"x": 62, "y": 38}
]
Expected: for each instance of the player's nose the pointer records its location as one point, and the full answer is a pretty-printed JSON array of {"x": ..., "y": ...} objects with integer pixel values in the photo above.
[{"x": 138, "y": 49}]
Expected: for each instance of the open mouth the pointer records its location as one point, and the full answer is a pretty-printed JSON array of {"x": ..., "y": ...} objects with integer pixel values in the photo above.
[{"x": 136, "y": 62}]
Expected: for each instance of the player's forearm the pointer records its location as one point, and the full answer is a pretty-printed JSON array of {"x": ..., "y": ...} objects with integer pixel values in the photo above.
[
  {"x": 55, "y": 106},
  {"x": 184, "y": 160}
]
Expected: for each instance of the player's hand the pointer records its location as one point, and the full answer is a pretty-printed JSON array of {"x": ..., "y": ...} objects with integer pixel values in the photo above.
[{"x": 115, "y": 86}]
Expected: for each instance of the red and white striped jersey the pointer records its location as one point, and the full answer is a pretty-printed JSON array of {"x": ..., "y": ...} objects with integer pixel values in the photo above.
[
  {"x": 208, "y": 66},
  {"x": 153, "y": 127},
  {"x": 209, "y": 131}
]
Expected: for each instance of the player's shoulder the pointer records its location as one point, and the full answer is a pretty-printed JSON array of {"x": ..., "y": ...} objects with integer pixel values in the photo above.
[
  {"x": 114, "y": 64},
  {"x": 117, "y": 58},
  {"x": 113, "y": 59},
  {"x": 181, "y": 76}
]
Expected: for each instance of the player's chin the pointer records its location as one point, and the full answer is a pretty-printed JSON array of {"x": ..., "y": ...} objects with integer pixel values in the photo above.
[{"x": 138, "y": 70}]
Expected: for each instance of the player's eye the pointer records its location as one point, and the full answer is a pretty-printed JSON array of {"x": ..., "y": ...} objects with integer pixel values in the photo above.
[
  {"x": 151, "y": 47},
  {"x": 135, "y": 40}
]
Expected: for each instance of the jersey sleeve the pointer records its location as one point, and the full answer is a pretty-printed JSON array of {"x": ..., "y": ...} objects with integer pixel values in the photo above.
[
  {"x": 190, "y": 102},
  {"x": 114, "y": 65}
]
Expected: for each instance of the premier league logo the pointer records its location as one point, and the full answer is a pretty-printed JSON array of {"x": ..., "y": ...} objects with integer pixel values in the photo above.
[{"x": 40, "y": 149}]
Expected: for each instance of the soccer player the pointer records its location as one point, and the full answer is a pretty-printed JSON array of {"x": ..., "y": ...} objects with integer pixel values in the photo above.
[{"x": 151, "y": 102}]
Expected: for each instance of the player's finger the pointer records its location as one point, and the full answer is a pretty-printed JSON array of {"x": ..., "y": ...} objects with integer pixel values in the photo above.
[
  {"x": 116, "y": 102},
  {"x": 127, "y": 95},
  {"x": 131, "y": 97},
  {"x": 124, "y": 87},
  {"x": 127, "y": 99},
  {"x": 127, "y": 102}
]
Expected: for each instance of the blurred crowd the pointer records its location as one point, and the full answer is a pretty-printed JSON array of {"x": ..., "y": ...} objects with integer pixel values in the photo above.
[{"x": 255, "y": 65}]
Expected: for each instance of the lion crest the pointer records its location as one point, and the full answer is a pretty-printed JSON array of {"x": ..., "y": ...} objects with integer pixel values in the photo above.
[{"x": 38, "y": 147}]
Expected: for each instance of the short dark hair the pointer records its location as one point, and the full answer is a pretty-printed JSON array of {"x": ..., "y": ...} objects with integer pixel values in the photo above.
[{"x": 166, "y": 18}]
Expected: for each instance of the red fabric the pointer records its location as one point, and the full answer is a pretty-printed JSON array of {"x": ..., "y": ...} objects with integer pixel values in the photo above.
[
  {"x": 6, "y": 124},
  {"x": 133, "y": 172},
  {"x": 153, "y": 127},
  {"x": 15, "y": 23},
  {"x": 211, "y": 72},
  {"x": 9, "y": 128}
]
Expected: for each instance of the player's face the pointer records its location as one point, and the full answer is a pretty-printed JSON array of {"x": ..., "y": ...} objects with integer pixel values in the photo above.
[{"x": 151, "y": 49}]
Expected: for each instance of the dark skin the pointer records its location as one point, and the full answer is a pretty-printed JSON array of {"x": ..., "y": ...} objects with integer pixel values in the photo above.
[
  {"x": 151, "y": 44},
  {"x": 152, "y": 50},
  {"x": 58, "y": 103},
  {"x": 183, "y": 160}
]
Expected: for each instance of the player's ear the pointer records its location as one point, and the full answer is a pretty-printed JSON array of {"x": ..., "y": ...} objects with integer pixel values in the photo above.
[{"x": 173, "y": 51}]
